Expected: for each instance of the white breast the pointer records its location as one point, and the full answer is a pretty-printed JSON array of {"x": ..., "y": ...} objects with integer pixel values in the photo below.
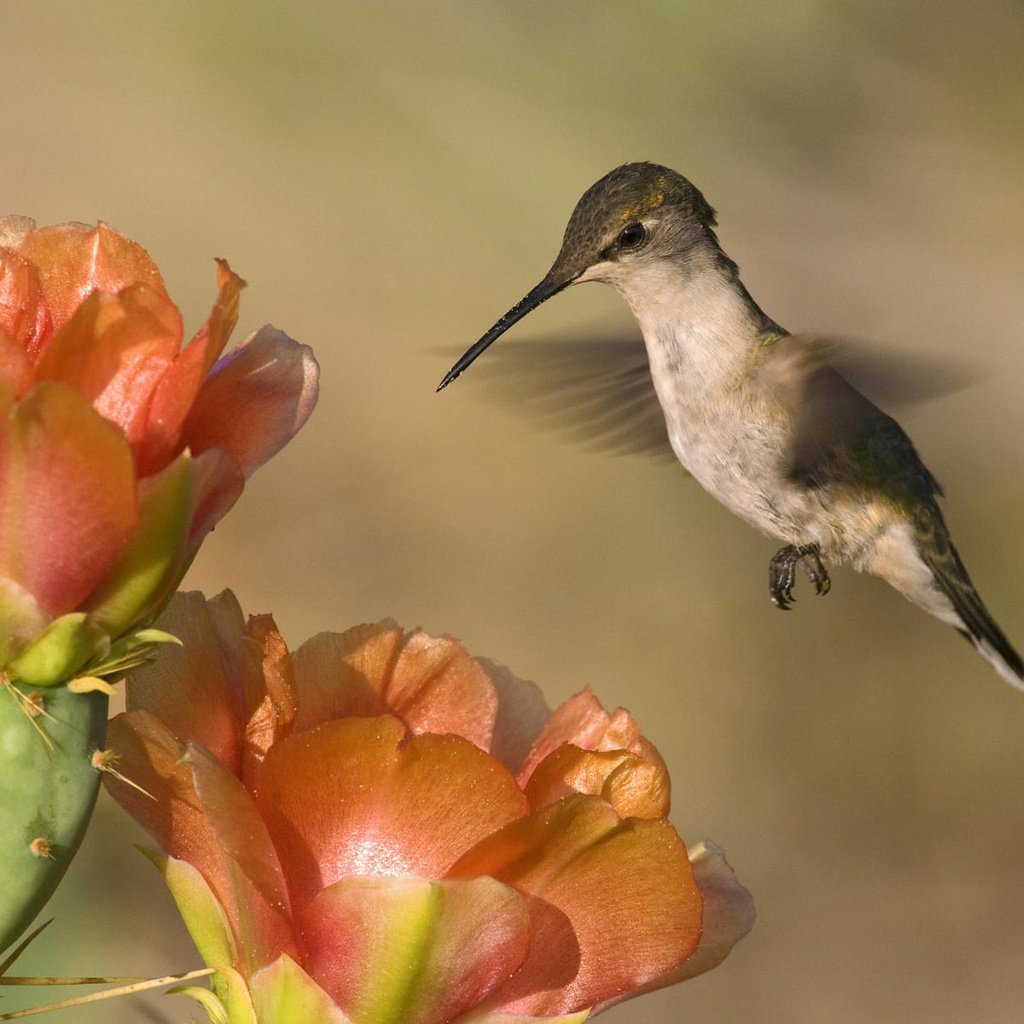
[{"x": 730, "y": 436}]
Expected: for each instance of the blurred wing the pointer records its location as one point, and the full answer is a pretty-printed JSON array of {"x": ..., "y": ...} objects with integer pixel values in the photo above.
[
  {"x": 597, "y": 392},
  {"x": 839, "y": 433},
  {"x": 892, "y": 378}
]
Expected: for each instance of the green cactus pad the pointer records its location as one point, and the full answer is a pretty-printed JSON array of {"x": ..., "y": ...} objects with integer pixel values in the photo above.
[{"x": 48, "y": 786}]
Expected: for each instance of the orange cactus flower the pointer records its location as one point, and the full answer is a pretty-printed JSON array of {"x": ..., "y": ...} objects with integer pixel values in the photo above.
[
  {"x": 380, "y": 828},
  {"x": 119, "y": 448}
]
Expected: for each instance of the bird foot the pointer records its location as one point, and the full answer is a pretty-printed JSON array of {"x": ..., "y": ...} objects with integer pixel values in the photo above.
[{"x": 782, "y": 573}]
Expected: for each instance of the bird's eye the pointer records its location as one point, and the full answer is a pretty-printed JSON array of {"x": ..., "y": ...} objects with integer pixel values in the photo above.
[{"x": 632, "y": 236}]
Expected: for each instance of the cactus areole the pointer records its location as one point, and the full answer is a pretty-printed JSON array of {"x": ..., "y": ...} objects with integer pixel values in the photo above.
[{"x": 48, "y": 786}]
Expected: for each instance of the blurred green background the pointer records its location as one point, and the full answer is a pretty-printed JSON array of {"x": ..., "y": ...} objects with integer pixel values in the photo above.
[{"x": 390, "y": 177}]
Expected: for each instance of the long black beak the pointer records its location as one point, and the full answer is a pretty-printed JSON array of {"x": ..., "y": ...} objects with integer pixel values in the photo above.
[{"x": 551, "y": 285}]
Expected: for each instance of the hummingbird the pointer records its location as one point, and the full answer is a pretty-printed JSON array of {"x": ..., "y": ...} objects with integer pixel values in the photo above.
[{"x": 761, "y": 418}]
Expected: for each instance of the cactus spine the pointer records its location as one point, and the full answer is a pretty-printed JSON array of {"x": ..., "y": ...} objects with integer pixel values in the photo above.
[{"x": 48, "y": 786}]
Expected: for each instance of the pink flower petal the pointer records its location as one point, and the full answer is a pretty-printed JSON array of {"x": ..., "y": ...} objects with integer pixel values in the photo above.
[
  {"x": 219, "y": 484},
  {"x": 14, "y": 229},
  {"x": 432, "y": 684},
  {"x": 162, "y": 798},
  {"x": 24, "y": 315},
  {"x": 114, "y": 350},
  {"x": 73, "y": 260},
  {"x": 206, "y": 837},
  {"x": 15, "y": 365},
  {"x": 728, "y": 909},
  {"x": 489, "y": 1017},
  {"x": 583, "y": 722},
  {"x": 437, "y": 687},
  {"x": 261, "y": 911},
  {"x": 177, "y": 389},
  {"x": 194, "y": 689},
  {"x": 357, "y": 797},
  {"x": 634, "y": 787},
  {"x": 67, "y": 496},
  {"x": 269, "y": 699},
  {"x": 22, "y": 617},
  {"x": 522, "y": 714},
  {"x": 255, "y": 399},
  {"x": 411, "y": 950},
  {"x": 622, "y": 890},
  {"x": 342, "y": 674}
]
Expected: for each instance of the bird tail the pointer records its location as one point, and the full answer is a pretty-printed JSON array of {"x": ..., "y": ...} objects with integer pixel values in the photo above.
[{"x": 970, "y": 616}]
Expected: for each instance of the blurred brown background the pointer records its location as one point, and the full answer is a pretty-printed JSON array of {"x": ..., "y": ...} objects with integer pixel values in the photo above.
[{"x": 390, "y": 177}]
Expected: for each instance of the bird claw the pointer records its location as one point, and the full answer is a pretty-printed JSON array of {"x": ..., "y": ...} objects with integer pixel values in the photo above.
[
  {"x": 780, "y": 579},
  {"x": 782, "y": 573}
]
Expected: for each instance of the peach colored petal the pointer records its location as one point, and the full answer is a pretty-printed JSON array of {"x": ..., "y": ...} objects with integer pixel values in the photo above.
[
  {"x": 638, "y": 789},
  {"x": 14, "y": 229},
  {"x": 67, "y": 495},
  {"x": 343, "y": 674},
  {"x": 162, "y": 798},
  {"x": 15, "y": 365},
  {"x": 409, "y": 951},
  {"x": 150, "y": 756},
  {"x": 24, "y": 315},
  {"x": 255, "y": 399},
  {"x": 195, "y": 690},
  {"x": 583, "y": 722},
  {"x": 635, "y": 788},
  {"x": 728, "y": 909},
  {"x": 114, "y": 350},
  {"x": 177, "y": 818},
  {"x": 728, "y": 916},
  {"x": 488, "y": 1017},
  {"x": 432, "y": 684},
  {"x": 522, "y": 714},
  {"x": 219, "y": 484},
  {"x": 269, "y": 698},
  {"x": 178, "y": 387},
  {"x": 436, "y": 686},
  {"x": 223, "y": 317},
  {"x": 626, "y": 889},
  {"x": 22, "y": 617},
  {"x": 261, "y": 912},
  {"x": 229, "y": 809},
  {"x": 351, "y": 798},
  {"x": 73, "y": 260}
]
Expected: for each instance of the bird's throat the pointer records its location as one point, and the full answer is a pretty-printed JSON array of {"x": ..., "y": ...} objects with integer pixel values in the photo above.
[{"x": 700, "y": 326}]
